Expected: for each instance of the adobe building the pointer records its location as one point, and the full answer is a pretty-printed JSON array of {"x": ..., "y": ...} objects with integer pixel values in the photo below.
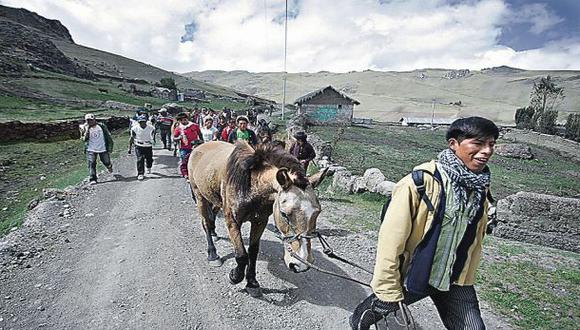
[{"x": 326, "y": 106}]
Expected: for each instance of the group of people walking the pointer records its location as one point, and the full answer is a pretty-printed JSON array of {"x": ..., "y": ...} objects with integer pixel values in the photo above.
[
  {"x": 180, "y": 134},
  {"x": 431, "y": 236}
]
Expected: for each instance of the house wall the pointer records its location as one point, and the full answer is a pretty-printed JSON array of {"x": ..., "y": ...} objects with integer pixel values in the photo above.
[
  {"x": 328, "y": 108},
  {"x": 327, "y": 114}
]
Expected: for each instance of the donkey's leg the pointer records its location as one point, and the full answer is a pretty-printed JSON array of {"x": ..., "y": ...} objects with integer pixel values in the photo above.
[
  {"x": 208, "y": 223},
  {"x": 236, "y": 274},
  {"x": 214, "y": 212},
  {"x": 258, "y": 226}
]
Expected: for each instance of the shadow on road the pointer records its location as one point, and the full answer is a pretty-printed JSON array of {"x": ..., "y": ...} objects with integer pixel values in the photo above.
[
  {"x": 312, "y": 286},
  {"x": 166, "y": 160},
  {"x": 152, "y": 176}
]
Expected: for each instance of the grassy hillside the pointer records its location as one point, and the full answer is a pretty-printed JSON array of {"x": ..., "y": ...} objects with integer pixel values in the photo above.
[
  {"x": 388, "y": 96},
  {"x": 46, "y": 96},
  {"x": 104, "y": 63}
]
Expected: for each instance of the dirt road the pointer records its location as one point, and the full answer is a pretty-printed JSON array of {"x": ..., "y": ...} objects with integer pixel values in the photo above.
[{"x": 128, "y": 254}]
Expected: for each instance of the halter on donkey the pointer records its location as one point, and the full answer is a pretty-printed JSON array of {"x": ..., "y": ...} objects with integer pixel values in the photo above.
[{"x": 248, "y": 185}]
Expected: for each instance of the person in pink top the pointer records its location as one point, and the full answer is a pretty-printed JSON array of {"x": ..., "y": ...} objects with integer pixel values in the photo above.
[{"x": 189, "y": 135}]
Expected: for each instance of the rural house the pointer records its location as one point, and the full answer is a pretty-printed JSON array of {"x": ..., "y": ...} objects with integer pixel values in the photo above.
[
  {"x": 164, "y": 93},
  {"x": 326, "y": 106},
  {"x": 191, "y": 95}
]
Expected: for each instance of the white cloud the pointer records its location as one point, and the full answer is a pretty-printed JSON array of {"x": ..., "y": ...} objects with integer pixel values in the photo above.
[{"x": 333, "y": 35}]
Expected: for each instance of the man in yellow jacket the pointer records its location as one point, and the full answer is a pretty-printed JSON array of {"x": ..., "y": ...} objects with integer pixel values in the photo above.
[{"x": 430, "y": 240}]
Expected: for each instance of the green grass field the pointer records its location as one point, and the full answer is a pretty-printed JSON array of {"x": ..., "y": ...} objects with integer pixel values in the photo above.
[
  {"x": 27, "y": 168},
  {"x": 396, "y": 150},
  {"x": 536, "y": 287}
]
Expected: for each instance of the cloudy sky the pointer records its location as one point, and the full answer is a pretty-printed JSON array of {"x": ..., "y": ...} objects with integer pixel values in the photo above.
[{"x": 333, "y": 35}]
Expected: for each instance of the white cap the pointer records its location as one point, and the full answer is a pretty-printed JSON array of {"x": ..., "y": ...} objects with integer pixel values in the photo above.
[{"x": 89, "y": 116}]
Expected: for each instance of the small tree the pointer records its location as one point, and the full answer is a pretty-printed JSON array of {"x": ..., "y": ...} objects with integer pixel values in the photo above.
[
  {"x": 573, "y": 127},
  {"x": 545, "y": 98},
  {"x": 167, "y": 83},
  {"x": 524, "y": 118},
  {"x": 547, "y": 122}
]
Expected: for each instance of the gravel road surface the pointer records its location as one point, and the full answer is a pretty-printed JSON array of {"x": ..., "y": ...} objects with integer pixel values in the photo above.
[{"x": 128, "y": 254}]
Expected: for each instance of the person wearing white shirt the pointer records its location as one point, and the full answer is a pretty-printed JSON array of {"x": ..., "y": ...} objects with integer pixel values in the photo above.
[
  {"x": 98, "y": 142},
  {"x": 142, "y": 138},
  {"x": 208, "y": 131}
]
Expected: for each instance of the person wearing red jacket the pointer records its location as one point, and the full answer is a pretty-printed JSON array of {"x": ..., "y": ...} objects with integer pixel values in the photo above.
[
  {"x": 228, "y": 129},
  {"x": 188, "y": 134}
]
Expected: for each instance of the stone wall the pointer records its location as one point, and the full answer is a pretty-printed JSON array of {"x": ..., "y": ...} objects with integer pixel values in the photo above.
[
  {"x": 565, "y": 147},
  {"x": 540, "y": 219},
  {"x": 16, "y": 131}
]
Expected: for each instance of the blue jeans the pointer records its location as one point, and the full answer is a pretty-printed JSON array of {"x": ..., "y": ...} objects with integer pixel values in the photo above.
[
  {"x": 183, "y": 157},
  {"x": 92, "y": 160}
]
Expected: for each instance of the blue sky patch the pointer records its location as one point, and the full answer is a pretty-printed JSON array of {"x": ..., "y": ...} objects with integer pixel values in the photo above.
[{"x": 190, "y": 30}]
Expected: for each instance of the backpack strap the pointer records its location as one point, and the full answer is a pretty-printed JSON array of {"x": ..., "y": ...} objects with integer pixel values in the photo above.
[
  {"x": 490, "y": 197},
  {"x": 417, "y": 176},
  {"x": 420, "y": 184}
]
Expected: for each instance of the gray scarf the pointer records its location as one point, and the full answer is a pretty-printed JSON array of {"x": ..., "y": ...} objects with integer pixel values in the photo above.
[{"x": 464, "y": 181}]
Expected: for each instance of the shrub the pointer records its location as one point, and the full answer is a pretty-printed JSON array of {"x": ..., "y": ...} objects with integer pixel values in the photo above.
[
  {"x": 524, "y": 118},
  {"x": 573, "y": 127}
]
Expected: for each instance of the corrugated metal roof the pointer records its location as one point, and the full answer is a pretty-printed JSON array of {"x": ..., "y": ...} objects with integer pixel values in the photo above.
[
  {"x": 311, "y": 95},
  {"x": 421, "y": 121}
]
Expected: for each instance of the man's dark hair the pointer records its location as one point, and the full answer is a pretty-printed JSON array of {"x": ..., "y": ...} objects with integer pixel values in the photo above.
[{"x": 472, "y": 127}]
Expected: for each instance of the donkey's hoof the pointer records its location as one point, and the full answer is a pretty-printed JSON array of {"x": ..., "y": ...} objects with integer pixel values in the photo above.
[
  {"x": 234, "y": 277},
  {"x": 215, "y": 262},
  {"x": 254, "y": 292}
]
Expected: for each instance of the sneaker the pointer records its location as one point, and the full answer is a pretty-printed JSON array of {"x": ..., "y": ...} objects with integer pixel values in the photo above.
[
  {"x": 110, "y": 168},
  {"x": 149, "y": 170},
  {"x": 140, "y": 177},
  {"x": 92, "y": 182}
]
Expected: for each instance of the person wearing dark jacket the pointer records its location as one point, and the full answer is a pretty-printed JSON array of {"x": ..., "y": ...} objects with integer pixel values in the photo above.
[
  {"x": 432, "y": 249},
  {"x": 302, "y": 150}
]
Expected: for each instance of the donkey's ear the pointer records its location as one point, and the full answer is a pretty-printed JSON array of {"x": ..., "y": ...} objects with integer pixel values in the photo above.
[
  {"x": 317, "y": 178},
  {"x": 283, "y": 178}
]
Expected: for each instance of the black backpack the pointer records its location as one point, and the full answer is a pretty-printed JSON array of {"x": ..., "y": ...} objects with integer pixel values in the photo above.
[{"x": 417, "y": 176}]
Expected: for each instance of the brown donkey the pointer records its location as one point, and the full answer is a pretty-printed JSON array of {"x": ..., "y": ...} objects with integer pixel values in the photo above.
[{"x": 249, "y": 185}]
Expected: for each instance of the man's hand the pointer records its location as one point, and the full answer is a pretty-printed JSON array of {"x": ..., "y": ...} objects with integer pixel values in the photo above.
[
  {"x": 384, "y": 307},
  {"x": 129, "y": 151},
  {"x": 370, "y": 311}
]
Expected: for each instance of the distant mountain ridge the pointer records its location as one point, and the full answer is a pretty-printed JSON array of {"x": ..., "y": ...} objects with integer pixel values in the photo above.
[
  {"x": 29, "y": 41},
  {"x": 494, "y": 93}
]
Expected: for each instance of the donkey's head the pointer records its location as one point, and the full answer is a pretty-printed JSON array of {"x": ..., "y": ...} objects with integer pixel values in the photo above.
[{"x": 296, "y": 209}]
